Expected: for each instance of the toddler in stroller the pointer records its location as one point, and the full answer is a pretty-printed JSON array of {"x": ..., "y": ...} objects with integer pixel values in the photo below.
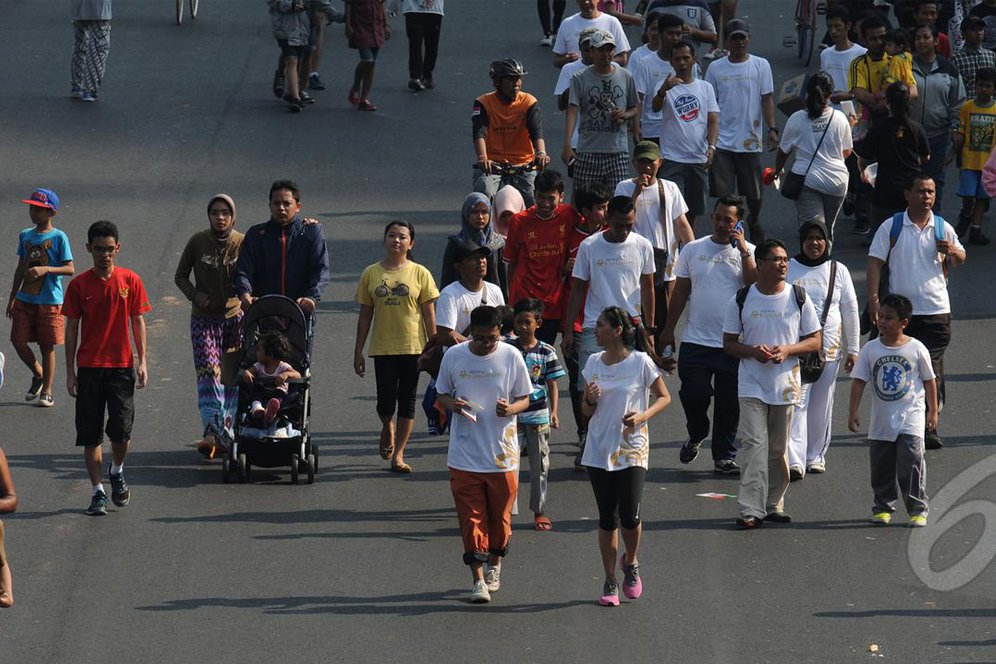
[{"x": 266, "y": 380}]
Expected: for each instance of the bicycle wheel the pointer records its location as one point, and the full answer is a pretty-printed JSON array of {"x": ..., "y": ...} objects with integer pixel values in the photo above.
[
  {"x": 814, "y": 11},
  {"x": 194, "y": 4},
  {"x": 179, "y": 12}
]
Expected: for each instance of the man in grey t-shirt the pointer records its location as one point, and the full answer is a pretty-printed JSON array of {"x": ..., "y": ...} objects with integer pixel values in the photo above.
[{"x": 602, "y": 100}]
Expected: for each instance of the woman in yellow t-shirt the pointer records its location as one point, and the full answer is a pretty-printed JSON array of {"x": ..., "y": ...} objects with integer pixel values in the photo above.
[{"x": 397, "y": 310}]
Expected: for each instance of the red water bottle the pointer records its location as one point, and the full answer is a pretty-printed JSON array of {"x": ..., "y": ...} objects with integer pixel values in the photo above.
[{"x": 768, "y": 176}]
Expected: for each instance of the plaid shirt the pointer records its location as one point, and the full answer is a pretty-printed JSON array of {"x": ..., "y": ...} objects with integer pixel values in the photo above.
[{"x": 968, "y": 62}]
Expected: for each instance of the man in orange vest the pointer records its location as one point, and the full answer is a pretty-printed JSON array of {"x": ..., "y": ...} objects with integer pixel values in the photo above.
[{"x": 508, "y": 134}]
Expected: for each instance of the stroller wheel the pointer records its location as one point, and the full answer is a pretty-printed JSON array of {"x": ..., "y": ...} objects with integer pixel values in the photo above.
[
  {"x": 294, "y": 468},
  {"x": 311, "y": 467},
  {"x": 243, "y": 468},
  {"x": 226, "y": 471}
]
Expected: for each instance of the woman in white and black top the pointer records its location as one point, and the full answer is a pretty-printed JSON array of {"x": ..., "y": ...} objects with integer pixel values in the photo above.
[
  {"x": 820, "y": 136},
  {"x": 811, "y": 268}
]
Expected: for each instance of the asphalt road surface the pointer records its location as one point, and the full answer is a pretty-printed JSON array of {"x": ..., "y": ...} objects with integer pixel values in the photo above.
[{"x": 365, "y": 566}]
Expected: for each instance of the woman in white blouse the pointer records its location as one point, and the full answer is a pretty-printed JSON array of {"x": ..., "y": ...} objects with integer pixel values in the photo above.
[
  {"x": 811, "y": 268},
  {"x": 820, "y": 136}
]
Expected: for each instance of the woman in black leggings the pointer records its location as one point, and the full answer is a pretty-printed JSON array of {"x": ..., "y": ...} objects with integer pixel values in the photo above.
[
  {"x": 397, "y": 299},
  {"x": 423, "y": 23},
  {"x": 550, "y": 27},
  {"x": 616, "y": 399}
]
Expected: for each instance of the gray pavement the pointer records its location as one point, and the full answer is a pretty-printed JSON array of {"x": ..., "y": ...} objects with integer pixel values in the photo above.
[{"x": 365, "y": 565}]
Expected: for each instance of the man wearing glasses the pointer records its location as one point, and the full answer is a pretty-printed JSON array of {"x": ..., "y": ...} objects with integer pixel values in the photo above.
[
  {"x": 768, "y": 325},
  {"x": 744, "y": 89}
]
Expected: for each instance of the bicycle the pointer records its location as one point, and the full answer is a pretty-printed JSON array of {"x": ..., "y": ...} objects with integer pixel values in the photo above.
[
  {"x": 806, "y": 12},
  {"x": 193, "y": 10}
]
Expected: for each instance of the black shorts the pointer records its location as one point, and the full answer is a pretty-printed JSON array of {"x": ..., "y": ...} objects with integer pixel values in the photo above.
[
  {"x": 100, "y": 388},
  {"x": 292, "y": 51},
  {"x": 736, "y": 173}
]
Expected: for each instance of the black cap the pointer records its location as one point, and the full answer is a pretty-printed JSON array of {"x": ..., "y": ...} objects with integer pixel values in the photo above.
[
  {"x": 736, "y": 26},
  {"x": 467, "y": 248}
]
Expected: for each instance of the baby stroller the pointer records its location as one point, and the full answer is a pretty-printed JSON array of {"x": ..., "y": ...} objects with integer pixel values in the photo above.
[{"x": 287, "y": 442}]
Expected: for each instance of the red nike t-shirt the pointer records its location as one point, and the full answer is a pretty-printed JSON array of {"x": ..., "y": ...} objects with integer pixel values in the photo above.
[
  {"x": 538, "y": 248},
  {"x": 105, "y": 308}
]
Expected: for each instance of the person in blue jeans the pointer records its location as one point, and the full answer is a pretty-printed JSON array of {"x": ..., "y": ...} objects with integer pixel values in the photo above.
[{"x": 711, "y": 269}]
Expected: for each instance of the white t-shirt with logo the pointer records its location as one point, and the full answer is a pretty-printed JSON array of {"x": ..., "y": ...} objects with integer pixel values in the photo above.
[
  {"x": 456, "y": 302},
  {"x": 490, "y": 444},
  {"x": 739, "y": 87},
  {"x": 625, "y": 387},
  {"x": 648, "y": 216},
  {"x": 841, "y": 328},
  {"x": 572, "y": 26},
  {"x": 613, "y": 271},
  {"x": 684, "y": 121},
  {"x": 648, "y": 77},
  {"x": 828, "y": 174},
  {"x": 895, "y": 376},
  {"x": 716, "y": 273},
  {"x": 838, "y": 65},
  {"x": 915, "y": 267},
  {"x": 772, "y": 320}
]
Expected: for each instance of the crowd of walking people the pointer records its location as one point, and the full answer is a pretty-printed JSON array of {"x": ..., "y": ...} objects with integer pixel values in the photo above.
[{"x": 609, "y": 253}]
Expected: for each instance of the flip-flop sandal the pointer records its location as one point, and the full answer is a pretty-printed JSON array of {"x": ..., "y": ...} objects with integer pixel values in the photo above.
[
  {"x": 386, "y": 447},
  {"x": 542, "y": 523},
  {"x": 401, "y": 468}
]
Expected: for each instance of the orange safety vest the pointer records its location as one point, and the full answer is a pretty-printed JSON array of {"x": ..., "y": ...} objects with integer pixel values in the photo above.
[{"x": 507, "y": 136}]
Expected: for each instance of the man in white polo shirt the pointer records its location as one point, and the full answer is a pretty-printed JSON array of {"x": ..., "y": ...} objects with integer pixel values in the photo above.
[
  {"x": 709, "y": 271},
  {"x": 918, "y": 262}
]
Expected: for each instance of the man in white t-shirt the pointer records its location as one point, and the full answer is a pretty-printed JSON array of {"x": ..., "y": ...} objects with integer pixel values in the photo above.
[
  {"x": 918, "y": 269},
  {"x": 660, "y": 217},
  {"x": 744, "y": 89},
  {"x": 617, "y": 268},
  {"x": 768, "y": 329},
  {"x": 567, "y": 48},
  {"x": 689, "y": 128},
  {"x": 652, "y": 71},
  {"x": 484, "y": 383},
  {"x": 457, "y": 300},
  {"x": 837, "y": 60},
  {"x": 708, "y": 272}
]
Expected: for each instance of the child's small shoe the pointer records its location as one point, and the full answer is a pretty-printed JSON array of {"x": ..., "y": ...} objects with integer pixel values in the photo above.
[
  {"x": 271, "y": 411},
  {"x": 366, "y": 105},
  {"x": 354, "y": 98}
]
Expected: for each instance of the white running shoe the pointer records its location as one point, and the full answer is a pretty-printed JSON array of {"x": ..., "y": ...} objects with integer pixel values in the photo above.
[
  {"x": 492, "y": 577},
  {"x": 480, "y": 594}
]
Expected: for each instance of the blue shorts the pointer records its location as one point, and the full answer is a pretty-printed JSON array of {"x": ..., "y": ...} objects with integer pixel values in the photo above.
[
  {"x": 368, "y": 54},
  {"x": 970, "y": 185}
]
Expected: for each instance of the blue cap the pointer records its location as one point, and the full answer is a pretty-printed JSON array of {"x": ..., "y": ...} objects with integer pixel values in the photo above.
[{"x": 45, "y": 198}]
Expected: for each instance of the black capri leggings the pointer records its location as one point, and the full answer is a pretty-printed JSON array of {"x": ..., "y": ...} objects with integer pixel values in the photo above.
[
  {"x": 550, "y": 26},
  {"x": 618, "y": 494},
  {"x": 397, "y": 380}
]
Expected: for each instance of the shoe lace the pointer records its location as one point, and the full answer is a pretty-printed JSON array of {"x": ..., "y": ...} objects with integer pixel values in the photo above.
[
  {"x": 632, "y": 574},
  {"x": 610, "y": 588},
  {"x": 118, "y": 483}
]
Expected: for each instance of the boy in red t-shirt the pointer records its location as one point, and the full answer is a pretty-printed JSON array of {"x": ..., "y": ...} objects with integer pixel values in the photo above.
[
  {"x": 593, "y": 204},
  {"x": 100, "y": 305},
  {"x": 535, "y": 251}
]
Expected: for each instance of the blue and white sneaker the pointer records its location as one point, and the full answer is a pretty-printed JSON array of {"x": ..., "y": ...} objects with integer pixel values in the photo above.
[
  {"x": 77, "y": 92},
  {"x": 88, "y": 96}
]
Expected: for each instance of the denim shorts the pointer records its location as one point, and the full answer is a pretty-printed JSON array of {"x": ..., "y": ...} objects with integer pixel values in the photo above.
[
  {"x": 289, "y": 51},
  {"x": 368, "y": 54}
]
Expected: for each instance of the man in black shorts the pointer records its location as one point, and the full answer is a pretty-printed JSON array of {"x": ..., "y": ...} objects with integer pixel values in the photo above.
[{"x": 100, "y": 305}]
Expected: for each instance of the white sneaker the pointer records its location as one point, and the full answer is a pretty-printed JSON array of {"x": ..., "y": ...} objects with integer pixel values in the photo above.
[
  {"x": 480, "y": 594},
  {"x": 817, "y": 467},
  {"x": 492, "y": 577},
  {"x": 546, "y": 41}
]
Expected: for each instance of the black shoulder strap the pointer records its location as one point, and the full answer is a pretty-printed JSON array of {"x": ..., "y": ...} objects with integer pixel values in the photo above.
[
  {"x": 800, "y": 295},
  {"x": 741, "y": 298},
  {"x": 826, "y": 302}
]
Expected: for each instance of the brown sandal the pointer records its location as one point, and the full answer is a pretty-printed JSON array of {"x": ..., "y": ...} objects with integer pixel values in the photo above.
[
  {"x": 542, "y": 523},
  {"x": 401, "y": 468},
  {"x": 386, "y": 445}
]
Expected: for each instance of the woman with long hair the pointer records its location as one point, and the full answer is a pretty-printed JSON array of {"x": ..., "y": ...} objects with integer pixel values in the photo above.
[
  {"x": 820, "y": 137},
  {"x": 397, "y": 297},
  {"x": 618, "y": 382}
]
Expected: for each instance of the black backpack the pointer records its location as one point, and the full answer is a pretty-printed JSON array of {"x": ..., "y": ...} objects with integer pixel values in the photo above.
[{"x": 810, "y": 364}]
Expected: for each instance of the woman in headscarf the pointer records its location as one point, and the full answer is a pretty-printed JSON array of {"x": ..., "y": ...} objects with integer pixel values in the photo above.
[
  {"x": 811, "y": 268},
  {"x": 476, "y": 227},
  {"x": 214, "y": 317}
]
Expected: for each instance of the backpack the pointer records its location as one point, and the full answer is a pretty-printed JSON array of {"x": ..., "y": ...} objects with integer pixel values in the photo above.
[{"x": 810, "y": 364}]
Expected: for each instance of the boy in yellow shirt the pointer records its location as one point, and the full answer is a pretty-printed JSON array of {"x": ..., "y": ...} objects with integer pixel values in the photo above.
[{"x": 973, "y": 139}]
